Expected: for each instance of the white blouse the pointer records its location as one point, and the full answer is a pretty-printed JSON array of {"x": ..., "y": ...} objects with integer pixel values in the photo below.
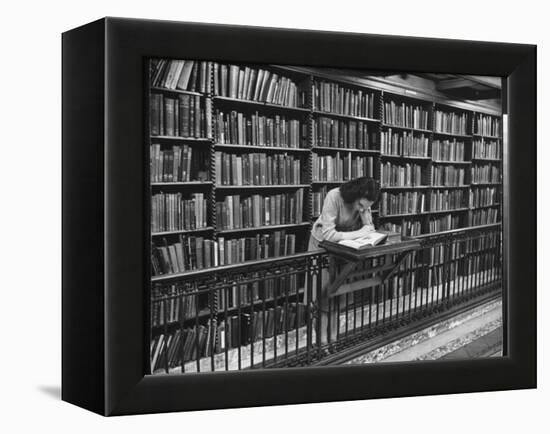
[{"x": 338, "y": 217}]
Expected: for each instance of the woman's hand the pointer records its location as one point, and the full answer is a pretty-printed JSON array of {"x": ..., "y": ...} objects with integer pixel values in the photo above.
[
  {"x": 365, "y": 230},
  {"x": 353, "y": 235}
]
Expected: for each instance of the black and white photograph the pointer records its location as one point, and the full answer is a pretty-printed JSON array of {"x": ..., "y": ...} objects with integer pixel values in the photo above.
[
  {"x": 290, "y": 217},
  {"x": 310, "y": 217},
  {"x": 322, "y": 216}
]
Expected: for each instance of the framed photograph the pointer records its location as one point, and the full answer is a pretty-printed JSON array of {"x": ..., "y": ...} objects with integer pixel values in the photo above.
[{"x": 257, "y": 216}]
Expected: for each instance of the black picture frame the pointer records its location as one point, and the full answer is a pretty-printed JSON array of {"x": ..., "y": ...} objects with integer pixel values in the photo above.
[{"x": 104, "y": 264}]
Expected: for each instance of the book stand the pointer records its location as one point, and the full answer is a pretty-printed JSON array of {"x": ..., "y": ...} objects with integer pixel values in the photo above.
[{"x": 346, "y": 264}]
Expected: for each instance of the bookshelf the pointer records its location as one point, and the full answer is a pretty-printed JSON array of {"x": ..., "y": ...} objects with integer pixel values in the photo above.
[
  {"x": 247, "y": 154},
  {"x": 239, "y": 121}
]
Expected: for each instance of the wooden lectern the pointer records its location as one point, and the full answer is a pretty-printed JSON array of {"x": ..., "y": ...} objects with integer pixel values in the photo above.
[{"x": 345, "y": 264}]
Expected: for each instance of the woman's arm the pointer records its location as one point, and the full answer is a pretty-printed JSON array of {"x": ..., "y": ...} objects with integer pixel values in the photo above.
[{"x": 366, "y": 218}]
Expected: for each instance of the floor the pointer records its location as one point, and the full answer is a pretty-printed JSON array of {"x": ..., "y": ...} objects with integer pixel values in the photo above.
[{"x": 473, "y": 334}]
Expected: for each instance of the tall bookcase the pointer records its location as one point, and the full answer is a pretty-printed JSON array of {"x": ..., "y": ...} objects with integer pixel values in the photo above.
[{"x": 270, "y": 141}]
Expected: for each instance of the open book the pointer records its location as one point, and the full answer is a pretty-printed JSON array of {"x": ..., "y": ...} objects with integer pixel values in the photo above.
[{"x": 370, "y": 240}]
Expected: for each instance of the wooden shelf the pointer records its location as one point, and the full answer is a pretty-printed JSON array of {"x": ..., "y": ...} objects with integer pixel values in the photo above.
[
  {"x": 181, "y": 231},
  {"x": 399, "y": 127},
  {"x": 342, "y": 116},
  {"x": 404, "y": 187},
  {"x": 166, "y": 90},
  {"x": 448, "y": 211},
  {"x": 478, "y": 184},
  {"x": 259, "y": 187},
  {"x": 260, "y": 148},
  {"x": 446, "y": 187},
  {"x": 327, "y": 182},
  {"x": 258, "y": 104},
  {"x": 412, "y": 214},
  {"x": 461, "y": 136},
  {"x": 463, "y": 163},
  {"x": 486, "y": 137},
  {"x": 188, "y": 183},
  {"x": 263, "y": 228},
  {"x": 494, "y": 160},
  {"x": 224, "y": 267},
  {"x": 182, "y": 139},
  {"x": 405, "y": 157},
  {"x": 485, "y": 206},
  {"x": 373, "y": 211},
  {"x": 205, "y": 313},
  {"x": 330, "y": 148},
  {"x": 467, "y": 228}
]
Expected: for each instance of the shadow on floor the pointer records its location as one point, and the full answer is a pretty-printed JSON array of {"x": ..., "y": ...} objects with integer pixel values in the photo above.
[{"x": 51, "y": 391}]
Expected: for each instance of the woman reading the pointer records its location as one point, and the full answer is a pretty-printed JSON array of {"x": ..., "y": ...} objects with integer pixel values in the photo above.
[{"x": 346, "y": 215}]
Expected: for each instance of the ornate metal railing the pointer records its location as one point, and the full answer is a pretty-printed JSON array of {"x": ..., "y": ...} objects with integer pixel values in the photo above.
[{"x": 270, "y": 313}]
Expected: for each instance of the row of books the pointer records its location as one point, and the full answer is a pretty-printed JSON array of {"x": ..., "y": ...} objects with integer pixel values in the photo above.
[
  {"x": 175, "y": 303},
  {"x": 259, "y": 246},
  {"x": 194, "y": 253},
  {"x": 253, "y": 129},
  {"x": 169, "y": 350},
  {"x": 448, "y": 150},
  {"x": 262, "y": 324},
  {"x": 193, "y": 343},
  {"x": 400, "y": 285},
  {"x": 401, "y": 175},
  {"x": 443, "y": 200},
  {"x": 441, "y": 254},
  {"x": 485, "y": 173},
  {"x": 258, "y": 290},
  {"x": 436, "y": 276},
  {"x": 341, "y": 167},
  {"x": 436, "y": 255},
  {"x": 184, "y": 116},
  {"x": 450, "y": 123},
  {"x": 483, "y": 197},
  {"x": 187, "y": 75},
  {"x": 485, "y": 216},
  {"x": 478, "y": 244},
  {"x": 407, "y": 228},
  {"x": 338, "y": 133},
  {"x": 334, "y": 98},
  {"x": 486, "y": 267},
  {"x": 486, "y": 149},
  {"x": 257, "y": 210},
  {"x": 257, "y": 169},
  {"x": 257, "y": 84},
  {"x": 405, "y": 115},
  {"x": 317, "y": 199},
  {"x": 404, "y": 143},
  {"x": 173, "y": 212},
  {"x": 188, "y": 253},
  {"x": 409, "y": 202},
  {"x": 445, "y": 222},
  {"x": 179, "y": 163},
  {"x": 486, "y": 125},
  {"x": 448, "y": 176}
]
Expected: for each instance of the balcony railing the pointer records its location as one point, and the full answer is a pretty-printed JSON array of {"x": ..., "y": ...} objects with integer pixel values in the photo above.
[{"x": 269, "y": 313}]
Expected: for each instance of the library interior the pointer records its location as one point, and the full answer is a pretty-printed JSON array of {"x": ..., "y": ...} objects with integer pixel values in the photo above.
[{"x": 241, "y": 159}]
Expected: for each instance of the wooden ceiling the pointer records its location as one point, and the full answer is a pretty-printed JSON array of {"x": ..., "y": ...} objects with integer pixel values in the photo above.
[{"x": 469, "y": 87}]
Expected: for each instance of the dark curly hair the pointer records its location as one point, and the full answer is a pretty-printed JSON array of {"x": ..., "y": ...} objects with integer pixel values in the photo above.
[{"x": 360, "y": 188}]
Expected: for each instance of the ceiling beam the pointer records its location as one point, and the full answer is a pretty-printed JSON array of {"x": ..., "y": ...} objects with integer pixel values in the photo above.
[
  {"x": 474, "y": 94},
  {"x": 453, "y": 83}
]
